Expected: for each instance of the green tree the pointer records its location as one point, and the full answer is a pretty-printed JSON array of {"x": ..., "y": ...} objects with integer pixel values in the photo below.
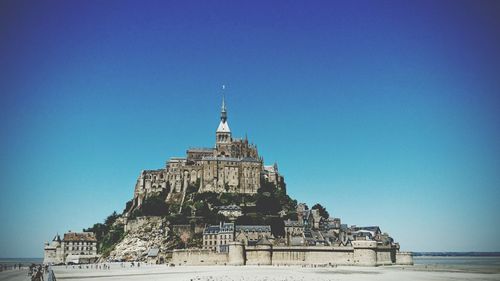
[
  {"x": 107, "y": 234},
  {"x": 111, "y": 219},
  {"x": 322, "y": 210},
  {"x": 154, "y": 206},
  {"x": 128, "y": 205}
]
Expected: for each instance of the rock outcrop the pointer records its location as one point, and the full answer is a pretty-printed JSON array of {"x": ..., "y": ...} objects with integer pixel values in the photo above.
[{"x": 142, "y": 234}]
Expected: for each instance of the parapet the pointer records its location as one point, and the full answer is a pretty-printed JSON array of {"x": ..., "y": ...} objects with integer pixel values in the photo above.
[
  {"x": 364, "y": 244},
  {"x": 365, "y": 252}
]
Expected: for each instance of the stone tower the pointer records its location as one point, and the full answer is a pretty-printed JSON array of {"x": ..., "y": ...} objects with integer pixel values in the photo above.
[{"x": 223, "y": 133}]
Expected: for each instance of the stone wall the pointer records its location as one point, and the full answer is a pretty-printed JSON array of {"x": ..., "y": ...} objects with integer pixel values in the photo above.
[
  {"x": 386, "y": 255},
  {"x": 259, "y": 255},
  {"x": 236, "y": 255},
  {"x": 365, "y": 252},
  {"x": 312, "y": 255},
  {"x": 198, "y": 257},
  {"x": 362, "y": 253},
  {"x": 404, "y": 258},
  {"x": 139, "y": 222}
]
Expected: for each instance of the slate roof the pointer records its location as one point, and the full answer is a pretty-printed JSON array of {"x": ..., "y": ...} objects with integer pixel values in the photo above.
[
  {"x": 229, "y": 208},
  {"x": 253, "y": 228},
  {"x": 57, "y": 238},
  {"x": 374, "y": 229},
  {"x": 293, "y": 223},
  {"x": 201, "y": 149},
  {"x": 214, "y": 229},
  {"x": 223, "y": 127},
  {"x": 153, "y": 252},
  {"x": 264, "y": 241},
  {"x": 80, "y": 236}
]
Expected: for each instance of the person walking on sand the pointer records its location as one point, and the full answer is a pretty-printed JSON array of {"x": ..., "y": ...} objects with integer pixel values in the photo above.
[
  {"x": 51, "y": 276},
  {"x": 37, "y": 276}
]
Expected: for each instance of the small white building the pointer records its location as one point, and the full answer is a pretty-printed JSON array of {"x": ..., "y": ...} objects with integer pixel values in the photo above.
[
  {"x": 75, "y": 247},
  {"x": 231, "y": 212}
]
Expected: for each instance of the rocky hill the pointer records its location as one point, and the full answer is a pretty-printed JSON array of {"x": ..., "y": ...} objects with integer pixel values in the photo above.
[{"x": 144, "y": 234}]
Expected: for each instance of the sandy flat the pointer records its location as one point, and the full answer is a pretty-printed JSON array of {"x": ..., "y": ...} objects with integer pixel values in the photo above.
[{"x": 266, "y": 273}]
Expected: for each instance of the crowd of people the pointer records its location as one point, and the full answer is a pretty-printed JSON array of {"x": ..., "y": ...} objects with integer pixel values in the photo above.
[
  {"x": 36, "y": 272},
  {"x": 40, "y": 272},
  {"x": 10, "y": 266}
]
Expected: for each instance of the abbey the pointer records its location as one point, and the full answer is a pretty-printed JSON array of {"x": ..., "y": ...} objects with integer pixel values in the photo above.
[{"x": 233, "y": 165}]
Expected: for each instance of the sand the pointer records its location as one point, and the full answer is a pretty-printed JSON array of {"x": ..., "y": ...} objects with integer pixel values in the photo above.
[{"x": 264, "y": 273}]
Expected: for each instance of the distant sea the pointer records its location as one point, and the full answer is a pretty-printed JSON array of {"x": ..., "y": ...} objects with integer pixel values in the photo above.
[
  {"x": 24, "y": 261},
  {"x": 488, "y": 264}
]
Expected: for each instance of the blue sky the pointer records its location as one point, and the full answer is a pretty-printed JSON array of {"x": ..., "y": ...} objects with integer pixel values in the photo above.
[{"x": 386, "y": 112}]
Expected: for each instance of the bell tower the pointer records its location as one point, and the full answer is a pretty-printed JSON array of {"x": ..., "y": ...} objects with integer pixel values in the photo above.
[{"x": 223, "y": 133}]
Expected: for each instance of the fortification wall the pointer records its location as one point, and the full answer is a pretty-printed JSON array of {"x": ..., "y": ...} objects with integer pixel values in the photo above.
[
  {"x": 404, "y": 258},
  {"x": 198, "y": 257},
  {"x": 363, "y": 253},
  {"x": 288, "y": 256},
  {"x": 386, "y": 255},
  {"x": 259, "y": 255},
  {"x": 312, "y": 255},
  {"x": 334, "y": 256},
  {"x": 236, "y": 254}
]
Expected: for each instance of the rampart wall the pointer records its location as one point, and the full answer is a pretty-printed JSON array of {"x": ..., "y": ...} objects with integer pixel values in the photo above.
[
  {"x": 198, "y": 257},
  {"x": 361, "y": 253}
]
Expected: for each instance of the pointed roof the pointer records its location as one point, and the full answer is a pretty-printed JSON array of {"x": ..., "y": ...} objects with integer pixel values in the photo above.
[
  {"x": 57, "y": 238},
  {"x": 264, "y": 241},
  {"x": 223, "y": 127}
]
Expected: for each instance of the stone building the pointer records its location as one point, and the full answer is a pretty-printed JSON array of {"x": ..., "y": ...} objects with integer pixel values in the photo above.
[
  {"x": 75, "y": 247},
  {"x": 53, "y": 252},
  {"x": 231, "y": 212},
  {"x": 294, "y": 232},
  {"x": 217, "y": 237},
  {"x": 251, "y": 234},
  {"x": 271, "y": 175},
  {"x": 233, "y": 165}
]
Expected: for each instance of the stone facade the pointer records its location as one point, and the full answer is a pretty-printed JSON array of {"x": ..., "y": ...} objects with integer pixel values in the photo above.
[
  {"x": 361, "y": 253},
  {"x": 251, "y": 234},
  {"x": 313, "y": 230},
  {"x": 217, "y": 237},
  {"x": 75, "y": 247},
  {"x": 231, "y": 212},
  {"x": 233, "y": 165}
]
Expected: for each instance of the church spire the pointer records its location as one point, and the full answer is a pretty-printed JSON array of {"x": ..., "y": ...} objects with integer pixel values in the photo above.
[
  {"x": 223, "y": 132},
  {"x": 223, "y": 111}
]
